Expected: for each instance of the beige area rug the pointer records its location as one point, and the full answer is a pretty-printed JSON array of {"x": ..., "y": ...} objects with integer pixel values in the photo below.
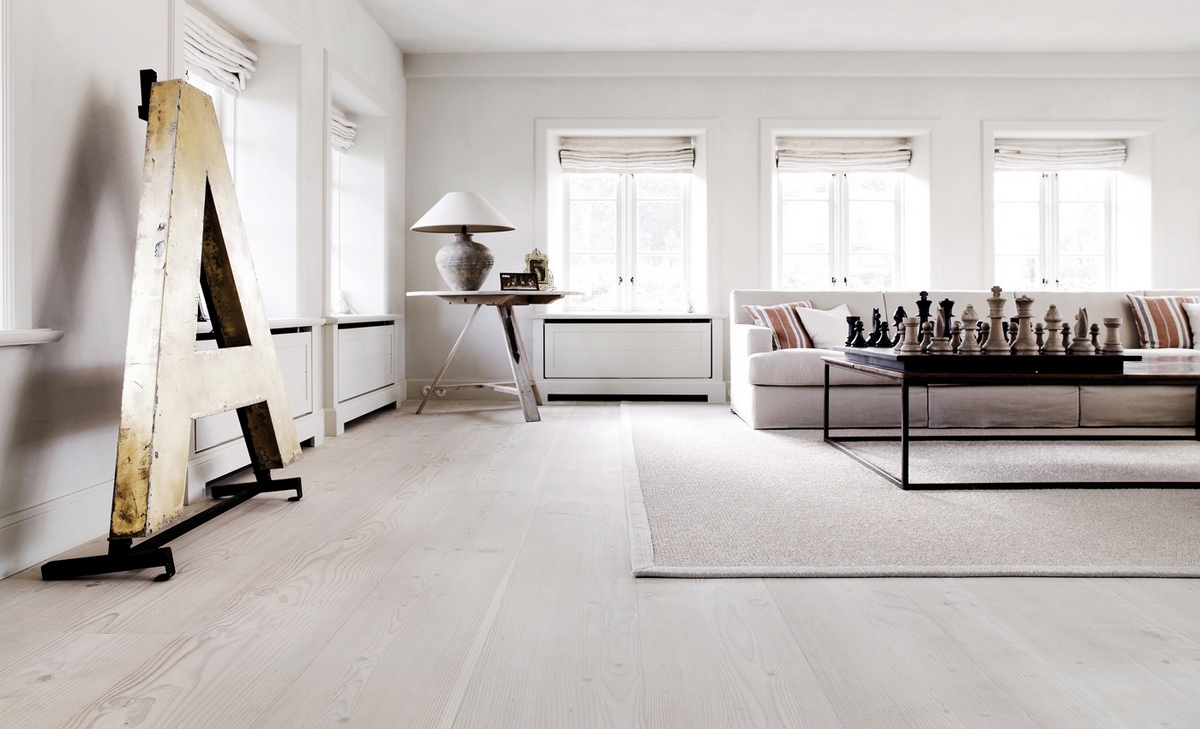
[{"x": 710, "y": 497}]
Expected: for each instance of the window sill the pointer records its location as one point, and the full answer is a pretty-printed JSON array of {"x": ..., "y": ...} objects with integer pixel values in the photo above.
[{"x": 21, "y": 337}]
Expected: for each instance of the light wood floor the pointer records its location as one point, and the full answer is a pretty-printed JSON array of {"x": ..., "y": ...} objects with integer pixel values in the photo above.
[{"x": 462, "y": 568}]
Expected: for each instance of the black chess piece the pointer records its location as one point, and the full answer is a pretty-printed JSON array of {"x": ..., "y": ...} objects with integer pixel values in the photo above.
[
  {"x": 859, "y": 340},
  {"x": 851, "y": 322},
  {"x": 946, "y": 318},
  {"x": 885, "y": 337},
  {"x": 923, "y": 305},
  {"x": 898, "y": 318},
  {"x": 876, "y": 320}
]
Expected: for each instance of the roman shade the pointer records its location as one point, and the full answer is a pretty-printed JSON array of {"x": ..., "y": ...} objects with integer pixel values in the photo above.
[
  {"x": 1053, "y": 155},
  {"x": 627, "y": 154},
  {"x": 842, "y": 154},
  {"x": 342, "y": 131},
  {"x": 214, "y": 52}
]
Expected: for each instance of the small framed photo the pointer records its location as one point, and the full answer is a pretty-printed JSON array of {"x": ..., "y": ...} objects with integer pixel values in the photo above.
[
  {"x": 523, "y": 281},
  {"x": 538, "y": 264}
]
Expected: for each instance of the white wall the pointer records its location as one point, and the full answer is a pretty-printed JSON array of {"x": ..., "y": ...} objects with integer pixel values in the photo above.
[
  {"x": 77, "y": 179},
  {"x": 472, "y": 118}
]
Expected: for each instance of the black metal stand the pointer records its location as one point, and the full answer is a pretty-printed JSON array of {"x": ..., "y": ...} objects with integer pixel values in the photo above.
[{"x": 124, "y": 556}]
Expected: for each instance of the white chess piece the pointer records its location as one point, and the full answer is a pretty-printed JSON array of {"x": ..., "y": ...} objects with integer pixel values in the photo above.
[
  {"x": 995, "y": 343},
  {"x": 1112, "y": 336},
  {"x": 970, "y": 321},
  {"x": 1054, "y": 343},
  {"x": 1081, "y": 343}
]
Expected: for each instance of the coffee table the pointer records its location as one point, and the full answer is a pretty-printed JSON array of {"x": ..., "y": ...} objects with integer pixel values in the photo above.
[{"x": 992, "y": 370}]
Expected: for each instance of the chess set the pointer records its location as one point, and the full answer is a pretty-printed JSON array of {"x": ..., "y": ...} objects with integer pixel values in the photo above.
[{"x": 939, "y": 342}]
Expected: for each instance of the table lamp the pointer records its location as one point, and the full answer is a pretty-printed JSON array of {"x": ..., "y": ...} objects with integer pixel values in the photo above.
[{"x": 463, "y": 262}]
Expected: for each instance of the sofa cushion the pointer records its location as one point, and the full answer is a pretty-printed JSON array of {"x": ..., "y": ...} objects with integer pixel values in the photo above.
[
  {"x": 786, "y": 330},
  {"x": 1012, "y": 406},
  {"x": 1136, "y": 405},
  {"x": 800, "y": 367},
  {"x": 826, "y": 329},
  {"x": 1160, "y": 320},
  {"x": 1192, "y": 311}
]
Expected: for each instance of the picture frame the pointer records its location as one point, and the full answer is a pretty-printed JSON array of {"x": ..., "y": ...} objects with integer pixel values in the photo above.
[
  {"x": 538, "y": 264},
  {"x": 523, "y": 281}
]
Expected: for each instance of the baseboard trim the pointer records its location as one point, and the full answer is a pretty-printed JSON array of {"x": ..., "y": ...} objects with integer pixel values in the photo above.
[{"x": 31, "y": 535}]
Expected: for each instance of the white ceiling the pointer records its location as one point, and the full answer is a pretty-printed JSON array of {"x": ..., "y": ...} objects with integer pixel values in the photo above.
[{"x": 481, "y": 26}]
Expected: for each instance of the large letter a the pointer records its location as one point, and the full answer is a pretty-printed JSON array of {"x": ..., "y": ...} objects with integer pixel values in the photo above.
[{"x": 189, "y": 229}]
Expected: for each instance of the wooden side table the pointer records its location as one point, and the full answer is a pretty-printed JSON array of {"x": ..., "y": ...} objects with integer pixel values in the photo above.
[{"x": 524, "y": 386}]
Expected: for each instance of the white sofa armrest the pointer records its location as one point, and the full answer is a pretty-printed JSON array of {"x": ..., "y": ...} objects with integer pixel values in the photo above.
[{"x": 745, "y": 340}]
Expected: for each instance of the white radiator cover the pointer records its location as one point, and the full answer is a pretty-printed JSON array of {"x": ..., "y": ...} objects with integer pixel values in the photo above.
[{"x": 644, "y": 355}]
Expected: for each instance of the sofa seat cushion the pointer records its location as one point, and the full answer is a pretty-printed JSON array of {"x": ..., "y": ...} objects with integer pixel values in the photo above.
[
  {"x": 1006, "y": 406},
  {"x": 1137, "y": 405},
  {"x": 801, "y": 367}
]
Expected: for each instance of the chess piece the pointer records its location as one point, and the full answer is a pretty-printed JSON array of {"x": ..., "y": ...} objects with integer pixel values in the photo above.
[
  {"x": 1039, "y": 333},
  {"x": 911, "y": 342},
  {"x": 1080, "y": 344},
  {"x": 926, "y": 336},
  {"x": 956, "y": 336},
  {"x": 859, "y": 341},
  {"x": 995, "y": 342},
  {"x": 1024, "y": 343},
  {"x": 1095, "y": 332},
  {"x": 877, "y": 329},
  {"x": 1112, "y": 336},
  {"x": 851, "y": 321},
  {"x": 1054, "y": 343},
  {"x": 885, "y": 336},
  {"x": 945, "y": 317},
  {"x": 1066, "y": 336},
  {"x": 899, "y": 318},
  {"x": 923, "y": 305},
  {"x": 970, "y": 340},
  {"x": 940, "y": 345}
]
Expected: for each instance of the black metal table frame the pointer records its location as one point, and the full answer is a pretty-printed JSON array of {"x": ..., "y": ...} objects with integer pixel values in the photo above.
[{"x": 905, "y": 437}]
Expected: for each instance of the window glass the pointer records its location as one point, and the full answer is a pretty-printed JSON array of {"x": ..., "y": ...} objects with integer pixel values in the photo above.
[
  {"x": 839, "y": 229},
  {"x": 628, "y": 240},
  {"x": 1053, "y": 229}
]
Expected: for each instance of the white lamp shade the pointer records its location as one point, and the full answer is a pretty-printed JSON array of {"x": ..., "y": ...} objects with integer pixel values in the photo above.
[{"x": 465, "y": 212}]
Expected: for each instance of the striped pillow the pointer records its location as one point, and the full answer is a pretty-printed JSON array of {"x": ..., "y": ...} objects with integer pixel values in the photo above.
[
  {"x": 786, "y": 330},
  {"x": 1160, "y": 320}
]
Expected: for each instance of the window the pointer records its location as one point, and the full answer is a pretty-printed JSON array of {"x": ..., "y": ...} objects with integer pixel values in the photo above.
[
  {"x": 1053, "y": 214},
  {"x": 357, "y": 262},
  {"x": 627, "y": 240},
  {"x": 839, "y": 211},
  {"x": 843, "y": 228},
  {"x": 627, "y": 222},
  {"x": 1054, "y": 229}
]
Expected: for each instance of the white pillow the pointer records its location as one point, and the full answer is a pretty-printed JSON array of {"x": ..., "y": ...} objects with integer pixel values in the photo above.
[
  {"x": 1193, "y": 317},
  {"x": 827, "y": 329}
]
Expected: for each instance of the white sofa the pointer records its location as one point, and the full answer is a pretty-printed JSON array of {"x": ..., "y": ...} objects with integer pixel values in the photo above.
[{"x": 784, "y": 388}]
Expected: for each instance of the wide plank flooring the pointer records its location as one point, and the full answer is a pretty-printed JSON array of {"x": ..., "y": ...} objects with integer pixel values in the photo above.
[{"x": 463, "y": 568}]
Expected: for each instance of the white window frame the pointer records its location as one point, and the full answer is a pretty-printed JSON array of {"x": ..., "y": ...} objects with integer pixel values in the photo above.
[
  {"x": 626, "y": 240},
  {"x": 921, "y": 186},
  {"x": 838, "y": 205},
  {"x": 1133, "y": 215},
  {"x": 549, "y": 207},
  {"x": 1049, "y": 232}
]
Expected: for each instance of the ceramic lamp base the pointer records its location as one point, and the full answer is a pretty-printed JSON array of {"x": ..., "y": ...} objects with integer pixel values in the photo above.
[{"x": 464, "y": 264}]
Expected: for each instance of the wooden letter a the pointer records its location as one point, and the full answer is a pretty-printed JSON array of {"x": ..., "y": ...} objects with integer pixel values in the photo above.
[{"x": 189, "y": 229}]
